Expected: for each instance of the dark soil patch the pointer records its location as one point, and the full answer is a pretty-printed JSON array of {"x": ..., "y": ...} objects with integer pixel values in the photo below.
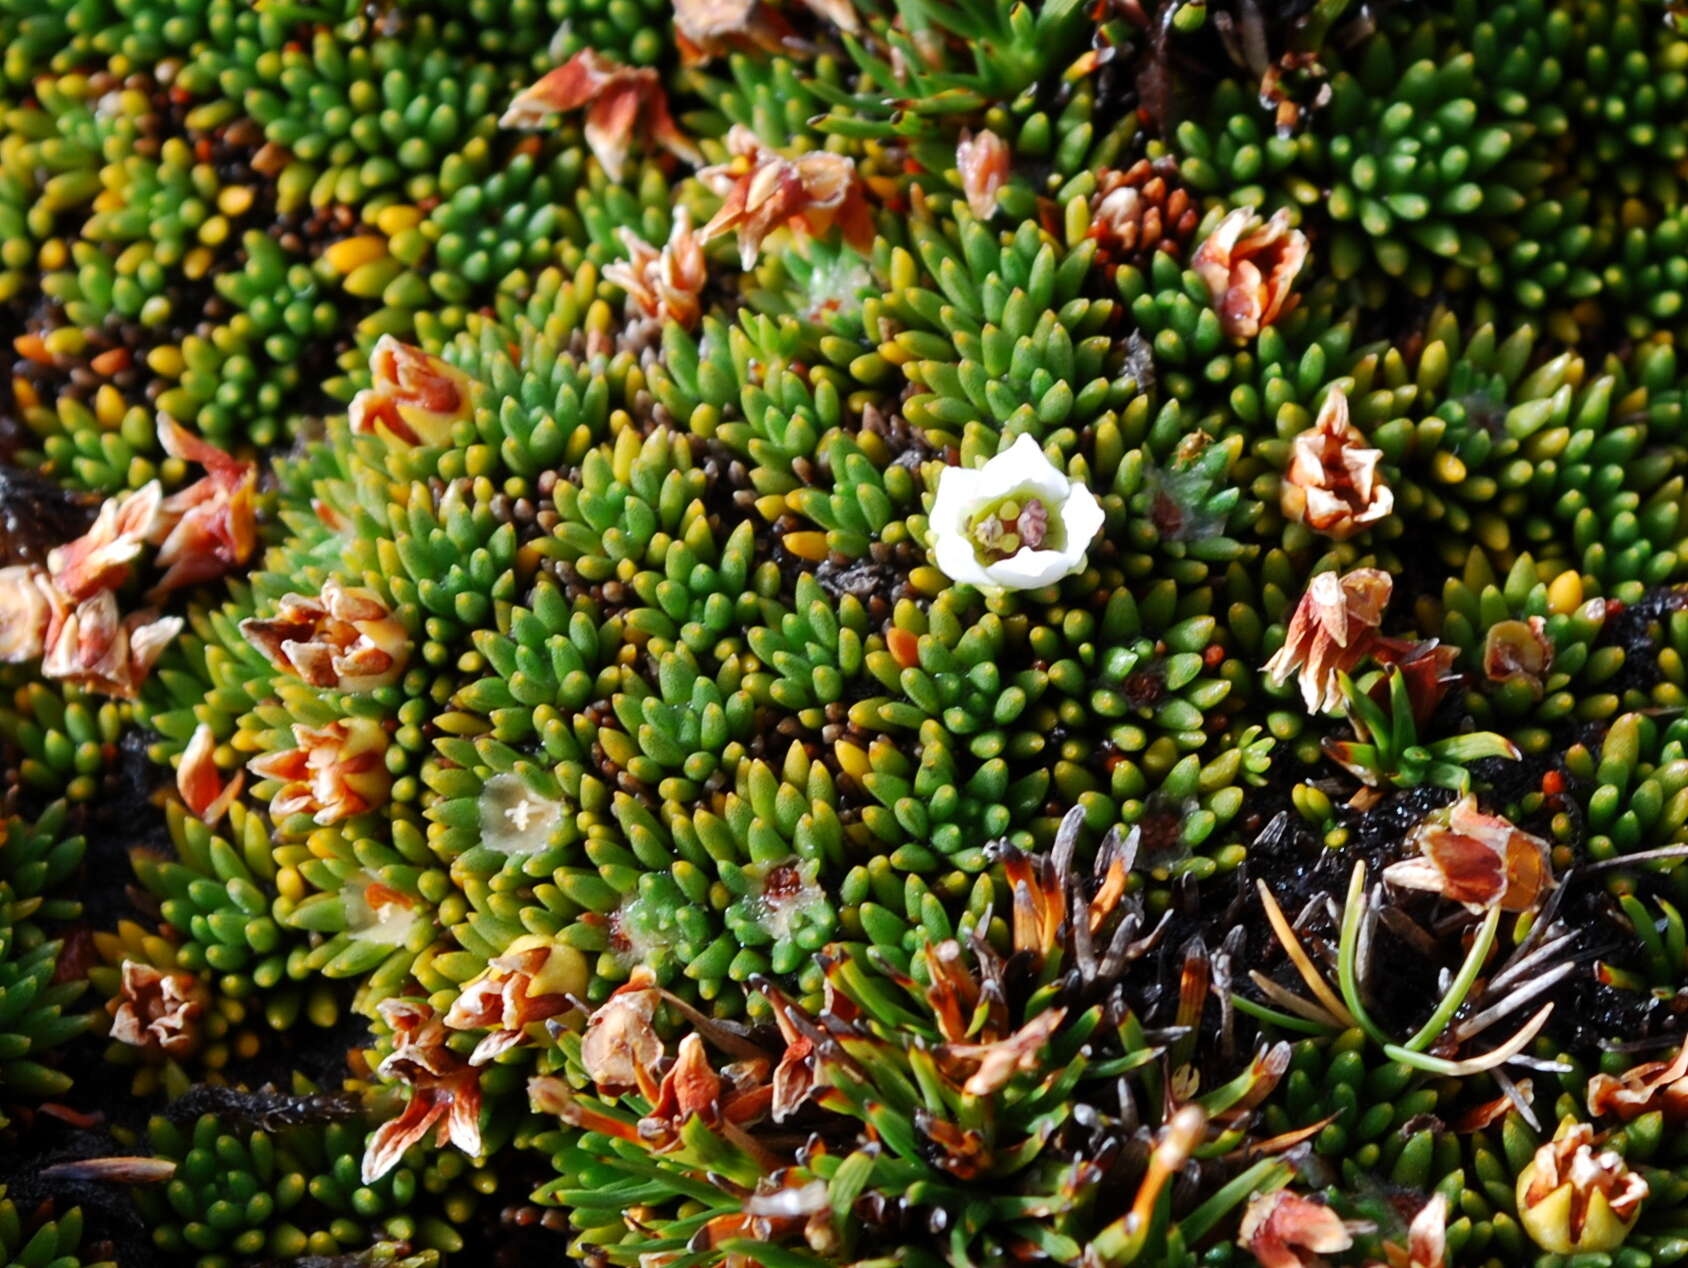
[
  {"x": 112, "y": 1228},
  {"x": 37, "y": 514}
]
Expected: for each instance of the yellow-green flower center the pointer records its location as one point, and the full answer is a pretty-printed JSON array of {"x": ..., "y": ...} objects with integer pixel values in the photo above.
[{"x": 1020, "y": 520}]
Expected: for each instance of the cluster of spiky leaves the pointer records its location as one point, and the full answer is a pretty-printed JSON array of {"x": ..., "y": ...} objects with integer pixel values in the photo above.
[
  {"x": 37, "y": 1007},
  {"x": 882, "y": 918}
]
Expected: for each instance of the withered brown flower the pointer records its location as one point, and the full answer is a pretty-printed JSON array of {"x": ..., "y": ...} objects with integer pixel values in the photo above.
[
  {"x": 1333, "y": 484},
  {"x": 1141, "y": 210},
  {"x": 1518, "y": 651},
  {"x": 211, "y": 526},
  {"x": 1427, "y": 668},
  {"x": 729, "y": 1100},
  {"x": 763, "y": 191},
  {"x": 158, "y": 1010},
  {"x": 94, "y": 646},
  {"x": 663, "y": 285},
  {"x": 1282, "y": 1229},
  {"x": 984, "y": 163},
  {"x": 334, "y": 772},
  {"x": 1652, "y": 1085},
  {"x": 690, "y": 1086},
  {"x": 709, "y": 28},
  {"x": 1478, "y": 859},
  {"x": 414, "y": 398},
  {"x": 987, "y": 1067},
  {"x": 202, "y": 788},
  {"x": 794, "y": 1078},
  {"x": 28, "y": 603},
  {"x": 531, "y": 981},
  {"x": 624, "y": 1056},
  {"x": 1333, "y": 629},
  {"x": 1249, "y": 266},
  {"x": 100, "y": 559},
  {"x": 621, "y": 1050},
  {"x": 345, "y": 638},
  {"x": 445, "y": 1090},
  {"x": 794, "y": 1075},
  {"x": 1573, "y": 1199},
  {"x": 1427, "y": 1239},
  {"x": 704, "y": 20},
  {"x": 68, "y": 613},
  {"x": 622, "y": 104}
]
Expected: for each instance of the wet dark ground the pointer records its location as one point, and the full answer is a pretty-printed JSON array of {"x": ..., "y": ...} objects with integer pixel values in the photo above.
[{"x": 112, "y": 1227}]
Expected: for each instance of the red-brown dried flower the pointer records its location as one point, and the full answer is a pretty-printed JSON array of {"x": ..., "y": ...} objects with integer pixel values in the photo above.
[
  {"x": 336, "y": 771},
  {"x": 622, "y": 104},
  {"x": 1140, "y": 211},
  {"x": 100, "y": 559},
  {"x": 690, "y": 1087},
  {"x": 94, "y": 646},
  {"x": 1426, "y": 665},
  {"x": 987, "y": 1067},
  {"x": 1518, "y": 651},
  {"x": 203, "y": 789},
  {"x": 532, "y": 980},
  {"x": 68, "y": 614},
  {"x": 345, "y": 638},
  {"x": 1573, "y": 1199},
  {"x": 728, "y": 1100},
  {"x": 664, "y": 285},
  {"x": 1652, "y": 1085},
  {"x": 445, "y": 1090},
  {"x": 1333, "y": 484},
  {"x": 621, "y": 1050},
  {"x": 1333, "y": 629},
  {"x": 413, "y": 398},
  {"x": 1249, "y": 266},
  {"x": 984, "y": 163},
  {"x": 1478, "y": 859},
  {"x": 709, "y": 28},
  {"x": 1285, "y": 1230},
  {"x": 158, "y": 1011},
  {"x": 209, "y": 527},
  {"x": 764, "y": 191},
  {"x": 1427, "y": 1239},
  {"x": 621, "y": 1054},
  {"x": 28, "y": 602},
  {"x": 794, "y": 1076}
]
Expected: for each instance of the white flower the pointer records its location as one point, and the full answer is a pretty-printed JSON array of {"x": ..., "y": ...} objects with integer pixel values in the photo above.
[
  {"x": 514, "y": 819},
  {"x": 1017, "y": 523},
  {"x": 377, "y": 913}
]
